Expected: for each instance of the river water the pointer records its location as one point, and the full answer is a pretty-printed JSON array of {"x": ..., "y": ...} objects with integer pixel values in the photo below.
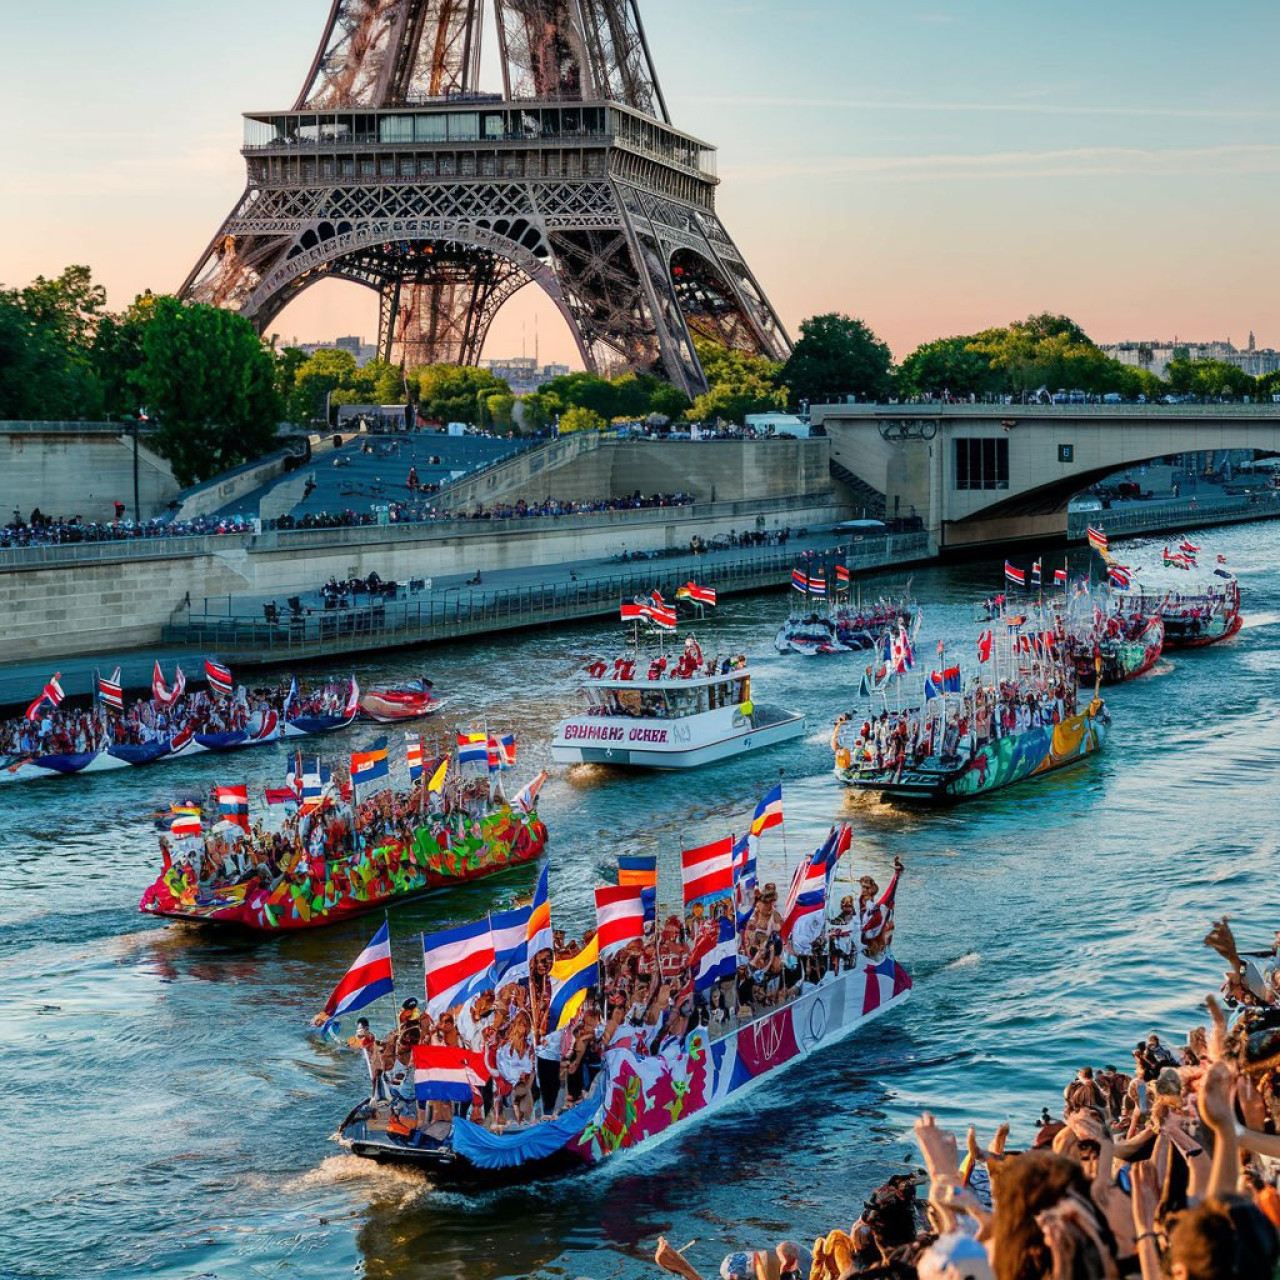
[{"x": 165, "y": 1114}]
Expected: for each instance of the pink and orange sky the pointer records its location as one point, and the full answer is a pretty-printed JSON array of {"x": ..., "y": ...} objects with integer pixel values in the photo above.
[{"x": 934, "y": 168}]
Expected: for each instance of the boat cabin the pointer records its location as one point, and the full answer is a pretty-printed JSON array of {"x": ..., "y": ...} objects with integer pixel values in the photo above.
[{"x": 667, "y": 699}]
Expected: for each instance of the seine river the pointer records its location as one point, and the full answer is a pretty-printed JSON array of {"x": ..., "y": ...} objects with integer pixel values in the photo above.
[{"x": 165, "y": 1113}]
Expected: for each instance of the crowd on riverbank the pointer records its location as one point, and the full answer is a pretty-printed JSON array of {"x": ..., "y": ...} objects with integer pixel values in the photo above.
[
  {"x": 1163, "y": 1169},
  {"x": 41, "y": 531}
]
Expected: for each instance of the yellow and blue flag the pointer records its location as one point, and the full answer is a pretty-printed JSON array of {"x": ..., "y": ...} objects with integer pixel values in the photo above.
[{"x": 571, "y": 978}]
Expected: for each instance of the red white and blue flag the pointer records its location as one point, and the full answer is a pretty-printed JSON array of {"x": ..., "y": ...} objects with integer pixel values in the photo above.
[
  {"x": 445, "y": 1074},
  {"x": 413, "y": 755},
  {"x": 538, "y": 929},
  {"x": 233, "y": 805},
  {"x": 720, "y": 960},
  {"x": 800, "y": 580},
  {"x": 1035, "y": 573},
  {"x": 473, "y": 748},
  {"x": 744, "y": 878},
  {"x": 818, "y": 585},
  {"x": 808, "y": 892},
  {"x": 218, "y": 676},
  {"x": 110, "y": 691},
  {"x": 842, "y": 575},
  {"x": 370, "y": 766},
  {"x": 367, "y": 979},
  {"x": 51, "y": 693},
  {"x": 527, "y": 796},
  {"x": 768, "y": 812},
  {"x": 660, "y": 613},
  {"x": 1118, "y": 576},
  {"x": 885, "y": 981},
  {"x": 509, "y": 933},
  {"x": 1097, "y": 540},
  {"x": 1017, "y": 576},
  {"x": 457, "y": 963},
  {"x": 1060, "y": 577},
  {"x": 502, "y": 752},
  {"x": 707, "y": 872},
  {"x": 619, "y": 917}
]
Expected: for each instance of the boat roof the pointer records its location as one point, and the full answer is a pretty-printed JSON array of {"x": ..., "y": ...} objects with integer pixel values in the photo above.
[{"x": 666, "y": 682}]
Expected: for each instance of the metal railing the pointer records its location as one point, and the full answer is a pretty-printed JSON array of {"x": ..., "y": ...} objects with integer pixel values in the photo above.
[
  {"x": 457, "y": 612},
  {"x": 1156, "y": 518},
  {"x": 999, "y": 409}
]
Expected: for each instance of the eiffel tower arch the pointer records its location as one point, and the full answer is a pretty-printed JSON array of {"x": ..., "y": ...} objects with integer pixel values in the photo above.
[{"x": 394, "y": 170}]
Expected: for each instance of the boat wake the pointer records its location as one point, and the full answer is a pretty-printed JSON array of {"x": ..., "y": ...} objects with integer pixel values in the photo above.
[{"x": 383, "y": 1182}]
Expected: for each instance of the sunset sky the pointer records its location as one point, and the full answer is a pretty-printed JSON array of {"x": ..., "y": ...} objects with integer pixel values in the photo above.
[{"x": 934, "y": 168}]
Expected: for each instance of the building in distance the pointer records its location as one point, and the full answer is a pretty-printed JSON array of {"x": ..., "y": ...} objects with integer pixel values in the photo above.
[
  {"x": 1156, "y": 356},
  {"x": 523, "y": 373}
]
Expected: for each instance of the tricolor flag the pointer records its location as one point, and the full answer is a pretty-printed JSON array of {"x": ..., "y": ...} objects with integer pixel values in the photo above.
[
  {"x": 1097, "y": 540},
  {"x": 473, "y": 748},
  {"x": 51, "y": 693},
  {"x": 185, "y": 821},
  {"x": 933, "y": 685},
  {"x": 367, "y": 979},
  {"x": 218, "y": 676},
  {"x": 313, "y": 780},
  {"x": 457, "y": 963},
  {"x": 502, "y": 752},
  {"x": 619, "y": 918},
  {"x": 800, "y": 580},
  {"x": 110, "y": 692},
  {"x": 951, "y": 680},
  {"x": 1060, "y": 578},
  {"x": 445, "y": 1074},
  {"x": 720, "y": 959},
  {"x": 634, "y": 611},
  {"x": 842, "y": 575},
  {"x": 413, "y": 755},
  {"x": 280, "y": 795},
  {"x": 661, "y": 614},
  {"x": 744, "y": 878},
  {"x": 707, "y": 872},
  {"x": 538, "y": 928},
  {"x": 233, "y": 805},
  {"x": 692, "y": 591},
  {"x": 509, "y": 931},
  {"x": 984, "y": 646},
  {"x": 768, "y": 812},
  {"x": 1188, "y": 546},
  {"x": 161, "y": 692},
  {"x": 818, "y": 585},
  {"x": 571, "y": 979},
  {"x": 638, "y": 871},
  {"x": 1035, "y": 573},
  {"x": 527, "y": 796},
  {"x": 1118, "y": 576},
  {"x": 808, "y": 892},
  {"x": 370, "y": 766},
  {"x": 1017, "y": 576}
]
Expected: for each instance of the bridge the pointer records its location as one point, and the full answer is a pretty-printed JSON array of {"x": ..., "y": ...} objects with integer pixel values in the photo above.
[{"x": 979, "y": 475}]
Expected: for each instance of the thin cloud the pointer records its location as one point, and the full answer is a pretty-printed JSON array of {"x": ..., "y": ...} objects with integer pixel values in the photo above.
[
  {"x": 996, "y": 108},
  {"x": 1238, "y": 159}
]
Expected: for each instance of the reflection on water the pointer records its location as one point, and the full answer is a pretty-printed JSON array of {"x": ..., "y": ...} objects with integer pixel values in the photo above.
[{"x": 1046, "y": 927}]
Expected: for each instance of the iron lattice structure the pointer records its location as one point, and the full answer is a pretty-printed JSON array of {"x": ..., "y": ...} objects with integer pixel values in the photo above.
[{"x": 395, "y": 170}]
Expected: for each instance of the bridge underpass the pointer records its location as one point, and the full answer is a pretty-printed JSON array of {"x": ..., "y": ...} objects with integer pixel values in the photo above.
[{"x": 981, "y": 475}]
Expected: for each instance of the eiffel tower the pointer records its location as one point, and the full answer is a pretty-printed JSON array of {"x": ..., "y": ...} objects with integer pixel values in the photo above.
[{"x": 395, "y": 170}]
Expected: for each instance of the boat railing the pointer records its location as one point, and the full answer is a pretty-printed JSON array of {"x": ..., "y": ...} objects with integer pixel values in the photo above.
[{"x": 451, "y": 613}]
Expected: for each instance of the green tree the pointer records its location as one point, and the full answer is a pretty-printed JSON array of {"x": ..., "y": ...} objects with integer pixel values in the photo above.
[
  {"x": 586, "y": 391},
  {"x": 209, "y": 379},
  {"x": 948, "y": 364},
  {"x": 288, "y": 361},
  {"x": 537, "y": 410},
  {"x": 499, "y": 408},
  {"x": 455, "y": 393},
  {"x": 578, "y": 418},
  {"x": 838, "y": 356},
  {"x": 1210, "y": 378},
  {"x": 323, "y": 373},
  {"x": 739, "y": 384}
]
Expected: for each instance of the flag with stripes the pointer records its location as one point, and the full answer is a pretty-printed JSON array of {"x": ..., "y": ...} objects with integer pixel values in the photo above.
[
  {"x": 371, "y": 765},
  {"x": 571, "y": 979},
  {"x": 1035, "y": 573},
  {"x": 233, "y": 805},
  {"x": 509, "y": 931},
  {"x": 707, "y": 872},
  {"x": 768, "y": 812},
  {"x": 502, "y": 752},
  {"x": 442, "y": 1073},
  {"x": 1097, "y": 540},
  {"x": 619, "y": 917},
  {"x": 818, "y": 585},
  {"x": 473, "y": 748},
  {"x": 51, "y": 693},
  {"x": 184, "y": 821},
  {"x": 218, "y": 676},
  {"x": 719, "y": 961},
  {"x": 110, "y": 691},
  {"x": 538, "y": 927},
  {"x": 638, "y": 870},
  {"x": 1060, "y": 578},
  {"x": 1016, "y": 576},
  {"x": 457, "y": 963},
  {"x": 368, "y": 978},
  {"x": 800, "y": 580},
  {"x": 413, "y": 755}
]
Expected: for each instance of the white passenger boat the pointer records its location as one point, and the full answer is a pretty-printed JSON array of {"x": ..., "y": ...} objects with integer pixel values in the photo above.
[{"x": 676, "y": 722}]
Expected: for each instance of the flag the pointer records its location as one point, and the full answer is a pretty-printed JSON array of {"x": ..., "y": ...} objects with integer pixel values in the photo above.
[
  {"x": 799, "y": 580},
  {"x": 218, "y": 676},
  {"x": 413, "y": 755},
  {"x": 691, "y": 591},
  {"x": 984, "y": 646},
  {"x": 502, "y": 752},
  {"x": 1035, "y": 573},
  {"x": 473, "y": 748},
  {"x": 818, "y": 585},
  {"x": 368, "y": 978},
  {"x": 842, "y": 574},
  {"x": 436, "y": 782},
  {"x": 1059, "y": 577},
  {"x": 161, "y": 692},
  {"x": 369, "y": 766},
  {"x": 768, "y": 812},
  {"x": 51, "y": 693},
  {"x": 185, "y": 821},
  {"x": 289, "y": 698},
  {"x": 808, "y": 892},
  {"x": 313, "y": 781},
  {"x": 538, "y": 928},
  {"x": 445, "y": 1074},
  {"x": 707, "y": 873},
  {"x": 720, "y": 961},
  {"x": 233, "y": 805},
  {"x": 509, "y": 932},
  {"x": 649, "y": 901},
  {"x": 1188, "y": 546},
  {"x": 280, "y": 795},
  {"x": 1097, "y": 540},
  {"x": 638, "y": 870},
  {"x": 634, "y": 612},
  {"x": 571, "y": 978},
  {"x": 619, "y": 917},
  {"x": 933, "y": 685},
  {"x": 661, "y": 615},
  {"x": 901, "y": 655},
  {"x": 744, "y": 878},
  {"x": 1017, "y": 576},
  {"x": 457, "y": 963},
  {"x": 1118, "y": 576},
  {"x": 881, "y": 915},
  {"x": 110, "y": 691},
  {"x": 951, "y": 680},
  {"x": 884, "y": 981},
  {"x": 527, "y": 796}
]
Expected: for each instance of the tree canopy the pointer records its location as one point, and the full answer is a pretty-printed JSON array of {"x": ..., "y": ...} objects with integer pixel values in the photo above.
[{"x": 837, "y": 356}]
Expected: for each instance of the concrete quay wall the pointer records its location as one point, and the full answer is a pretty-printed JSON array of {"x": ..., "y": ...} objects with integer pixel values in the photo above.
[
  {"x": 78, "y": 469},
  {"x": 89, "y": 599}
]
